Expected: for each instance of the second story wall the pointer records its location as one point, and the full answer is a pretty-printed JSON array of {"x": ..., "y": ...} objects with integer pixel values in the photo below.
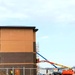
[{"x": 16, "y": 40}]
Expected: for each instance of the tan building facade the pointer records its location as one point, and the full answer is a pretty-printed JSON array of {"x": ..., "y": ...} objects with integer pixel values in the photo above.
[{"x": 18, "y": 46}]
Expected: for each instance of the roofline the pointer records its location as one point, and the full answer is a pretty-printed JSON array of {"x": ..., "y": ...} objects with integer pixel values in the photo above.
[{"x": 20, "y": 27}]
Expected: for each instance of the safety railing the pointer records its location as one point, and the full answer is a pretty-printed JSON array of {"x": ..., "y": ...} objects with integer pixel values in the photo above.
[{"x": 25, "y": 71}]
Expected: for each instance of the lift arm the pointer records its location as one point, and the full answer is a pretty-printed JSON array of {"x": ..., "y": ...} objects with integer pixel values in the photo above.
[
  {"x": 62, "y": 66},
  {"x": 52, "y": 63},
  {"x": 46, "y": 60}
]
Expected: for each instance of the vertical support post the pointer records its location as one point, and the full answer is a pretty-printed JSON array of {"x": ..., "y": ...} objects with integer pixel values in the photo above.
[
  {"x": 30, "y": 71},
  {"x": 13, "y": 71},
  {"x": 6, "y": 71},
  {"x": 46, "y": 71},
  {"x": 23, "y": 70}
]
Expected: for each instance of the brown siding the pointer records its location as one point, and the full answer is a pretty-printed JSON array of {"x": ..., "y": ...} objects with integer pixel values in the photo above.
[
  {"x": 34, "y": 37},
  {"x": 16, "y": 46},
  {"x": 16, "y": 34},
  {"x": 19, "y": 66},
  {"x": 21, "y": 57},
  {"x": 16, "y": 40}
]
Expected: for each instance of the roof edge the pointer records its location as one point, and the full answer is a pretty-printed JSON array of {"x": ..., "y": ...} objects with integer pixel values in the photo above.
[{"x": 21, "y": 27}]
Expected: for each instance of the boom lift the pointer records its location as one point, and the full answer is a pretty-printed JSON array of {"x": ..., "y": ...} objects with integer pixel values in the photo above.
[{"x": 69, "y": 70}]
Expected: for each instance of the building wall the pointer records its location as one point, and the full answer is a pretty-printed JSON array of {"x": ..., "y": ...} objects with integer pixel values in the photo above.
[
  {"x": 16, "y": 40},
  {"x": 17, "y": 47}
]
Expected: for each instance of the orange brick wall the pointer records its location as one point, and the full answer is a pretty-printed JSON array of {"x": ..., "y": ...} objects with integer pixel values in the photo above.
[{"x": 16, "y": 40}]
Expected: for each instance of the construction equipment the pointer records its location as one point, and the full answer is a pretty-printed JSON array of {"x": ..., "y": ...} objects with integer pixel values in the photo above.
[{"x": 69, "y": 70}]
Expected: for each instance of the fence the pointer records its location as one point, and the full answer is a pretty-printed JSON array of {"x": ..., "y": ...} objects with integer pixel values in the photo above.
[{"x": 25, "y": 71}]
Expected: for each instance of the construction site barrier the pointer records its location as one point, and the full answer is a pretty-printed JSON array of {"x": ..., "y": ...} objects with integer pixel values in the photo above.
[{"x": 25, "y": 71}]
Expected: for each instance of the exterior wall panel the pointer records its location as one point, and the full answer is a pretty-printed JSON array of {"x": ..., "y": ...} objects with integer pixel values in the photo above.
[
  {"x": 16, "y": 40},
  {"x": 17, "y": 57},
  {"x": 16, "y": 34},
  {"x": 18, "y": 47},
  {"x": 34, "y": 37}
]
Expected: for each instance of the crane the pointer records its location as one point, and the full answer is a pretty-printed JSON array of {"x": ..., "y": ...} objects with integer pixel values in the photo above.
[
  {"x": 62, "y": 66},
  {"x": 52, "y": 63},
  {"x": 64, "y": 72}
]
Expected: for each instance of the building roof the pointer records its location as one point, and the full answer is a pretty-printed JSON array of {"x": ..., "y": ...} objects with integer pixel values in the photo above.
[{"x": 20, "y": 27}]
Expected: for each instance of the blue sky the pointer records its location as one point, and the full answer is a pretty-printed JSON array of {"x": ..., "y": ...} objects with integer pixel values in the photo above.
[{"x": 55, "y": 20}]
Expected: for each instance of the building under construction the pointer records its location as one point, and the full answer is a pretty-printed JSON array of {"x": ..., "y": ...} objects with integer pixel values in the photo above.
[{"x": 17, "y": 46}]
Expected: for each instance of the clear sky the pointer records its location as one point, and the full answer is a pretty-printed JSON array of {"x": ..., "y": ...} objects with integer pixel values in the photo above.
[{"x": 55, "y": 20}]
